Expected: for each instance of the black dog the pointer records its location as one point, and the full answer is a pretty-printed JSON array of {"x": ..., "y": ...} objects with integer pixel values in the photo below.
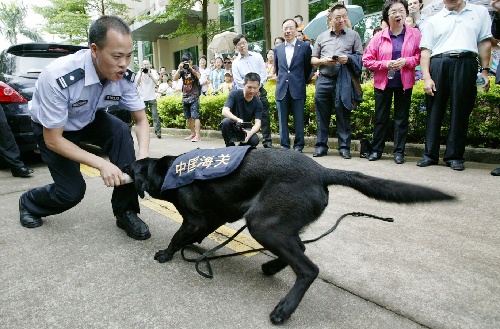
[{"x": 261, "y": 190}]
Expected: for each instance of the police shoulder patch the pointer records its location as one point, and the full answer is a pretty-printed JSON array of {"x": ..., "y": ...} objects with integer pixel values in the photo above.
[
  {"x": 129, "y": 75},
  {"x": 67, "y": 80}
]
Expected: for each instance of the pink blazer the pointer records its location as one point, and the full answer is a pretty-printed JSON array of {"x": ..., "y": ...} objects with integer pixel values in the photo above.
[{"x": 379, "y": 52}]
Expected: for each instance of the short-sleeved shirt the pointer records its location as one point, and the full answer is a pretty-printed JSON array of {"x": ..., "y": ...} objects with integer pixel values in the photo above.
[
  {"x": 58, "y": 101},
  {"x": 217, "y": 77},
  {"x": 244, "y": 65},
  {"x": 243, "y": 109},
  {"x": 449, "y": 31},
  {"x": 190, "y": 84},
  {"x": 328, "y": 44},
  {"x": 147, "y": 87}
]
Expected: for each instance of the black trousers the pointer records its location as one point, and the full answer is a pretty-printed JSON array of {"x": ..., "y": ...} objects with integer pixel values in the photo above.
[
  {"x": 9, "y": 150},
  {"x": 265, "y": 122},
  {"x": 455, "y": 80},
  {"x": 402, "y": 104},
  {"x": 68, "y": 189}
]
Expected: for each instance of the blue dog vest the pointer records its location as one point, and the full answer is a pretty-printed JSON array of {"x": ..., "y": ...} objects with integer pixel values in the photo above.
[{"x": 203, "y": 164}]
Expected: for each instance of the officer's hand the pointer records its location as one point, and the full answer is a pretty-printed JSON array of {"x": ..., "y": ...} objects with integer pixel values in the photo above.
[
  {"x": 328, "y": 61},
  {"x": 429, "y": 86},
  {"x": 111, "y": 175}
]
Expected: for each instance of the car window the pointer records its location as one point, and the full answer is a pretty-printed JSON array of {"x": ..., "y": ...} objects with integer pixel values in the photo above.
[{"x": 30, "y": 65}]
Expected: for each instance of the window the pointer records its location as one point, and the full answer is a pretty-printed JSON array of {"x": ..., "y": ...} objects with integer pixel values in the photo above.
[
  {"x": 226, "y": 14},
  {"x": 253, "y": 25}
]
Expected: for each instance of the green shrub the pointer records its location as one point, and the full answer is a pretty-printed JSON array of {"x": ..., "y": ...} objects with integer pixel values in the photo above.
[{"x": 484, "y": 122}]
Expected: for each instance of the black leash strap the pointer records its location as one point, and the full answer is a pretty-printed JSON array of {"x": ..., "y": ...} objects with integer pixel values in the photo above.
[{"x": 204, "y": 257}]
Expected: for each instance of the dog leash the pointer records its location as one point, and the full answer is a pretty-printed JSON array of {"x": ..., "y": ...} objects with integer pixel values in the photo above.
[{"x": 204, "y": 257}]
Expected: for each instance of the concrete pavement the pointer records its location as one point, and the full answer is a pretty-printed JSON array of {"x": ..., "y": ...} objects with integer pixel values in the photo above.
[{"x": 436, "y": 266}]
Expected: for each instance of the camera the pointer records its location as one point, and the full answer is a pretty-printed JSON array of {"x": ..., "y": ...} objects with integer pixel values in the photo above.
[
  {"x": 185, "y": 66},
  {"x": 145, "y": 70}
]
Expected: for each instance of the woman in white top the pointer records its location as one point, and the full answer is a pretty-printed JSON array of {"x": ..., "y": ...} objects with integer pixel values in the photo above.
[{"x": 205, "y": 74}]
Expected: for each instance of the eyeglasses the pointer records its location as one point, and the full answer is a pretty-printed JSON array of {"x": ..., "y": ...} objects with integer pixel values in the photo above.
[
  {"x": 338, "y": 18},
  {"x": 227, "y": 62},
  {"x": 395, "y": 12}
]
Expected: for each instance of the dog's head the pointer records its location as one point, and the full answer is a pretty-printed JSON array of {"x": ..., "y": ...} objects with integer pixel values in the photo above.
[{"x": 148, "y": 175}]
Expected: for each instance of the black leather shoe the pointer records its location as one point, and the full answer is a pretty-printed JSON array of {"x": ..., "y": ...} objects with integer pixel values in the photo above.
[
  {"x": 21, "y": 172},
  {"x": 28, "y": 220},
  {"x": 456, "y": 165},
  {"x": 298, "y": 150},
  {"x": 133, "y": 225},
  {"x": 374, "y": 156},
  {"x": 425, "y": 163},
  {"x": 495, "y": 172},
  {"x": 399, "y": 159},
  {"x": 319, "y": 154},
  {"x": 345, "y": 153},
  {"x": 267, "y": 145}
]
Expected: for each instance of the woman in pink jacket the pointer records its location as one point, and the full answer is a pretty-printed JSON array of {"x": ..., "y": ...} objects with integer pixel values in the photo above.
[{"x": 392, "y": 55}]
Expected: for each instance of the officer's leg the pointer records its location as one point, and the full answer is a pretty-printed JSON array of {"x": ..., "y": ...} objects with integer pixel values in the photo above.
[
  {"x": 115, "y": 139},
  {"x": 68, "y": 188},
  {"x": 282, "y": 107},
  {"x": 323, "y": 103},
  {"x": 266, "y": 124},
  {"x": 9, "y": 150},
  {"x": 253, "y": 141},
  {"x": 156, "y": 117}
]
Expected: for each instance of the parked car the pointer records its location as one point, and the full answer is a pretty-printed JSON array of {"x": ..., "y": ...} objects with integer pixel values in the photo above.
[{"x": 20, "y": 66}]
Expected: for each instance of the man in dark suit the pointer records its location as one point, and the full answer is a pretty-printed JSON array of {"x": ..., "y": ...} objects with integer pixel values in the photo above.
[{"x": 292, "y": 66}]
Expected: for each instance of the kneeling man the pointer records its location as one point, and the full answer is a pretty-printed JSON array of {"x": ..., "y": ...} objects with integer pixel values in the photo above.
[{"x": 241, "y": 106}]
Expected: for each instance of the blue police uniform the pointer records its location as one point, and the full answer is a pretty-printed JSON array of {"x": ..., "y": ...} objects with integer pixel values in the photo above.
[{"x": 69, "y": 94}]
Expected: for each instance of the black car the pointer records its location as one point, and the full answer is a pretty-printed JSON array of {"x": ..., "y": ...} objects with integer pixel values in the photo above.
[{"x": 20, "y": 66}]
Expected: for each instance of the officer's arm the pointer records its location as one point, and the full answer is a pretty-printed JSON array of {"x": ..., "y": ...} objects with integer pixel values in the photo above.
[
  {"x": 55, "y": 141},
  {"x": 226, "y": 112},
  {"x": 142, "y": 133}
]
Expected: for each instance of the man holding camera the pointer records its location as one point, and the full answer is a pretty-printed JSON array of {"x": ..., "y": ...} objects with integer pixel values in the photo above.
[
  {"x": 242, "y": 107},
  {"x": 147, "y": 80},
  {"x": 191, "y": 90}
]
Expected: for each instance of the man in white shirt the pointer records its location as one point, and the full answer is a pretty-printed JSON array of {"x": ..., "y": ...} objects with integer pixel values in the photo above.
[
  {"x": 252, "y": 62},
  {"x": 147, "y": 80}
]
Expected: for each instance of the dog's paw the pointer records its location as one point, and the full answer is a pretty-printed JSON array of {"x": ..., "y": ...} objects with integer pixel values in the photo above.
[
  {"x": 280, "y": 314},
  {"x": 162, "y": 256},
  {"x": 273, "y": 266}
]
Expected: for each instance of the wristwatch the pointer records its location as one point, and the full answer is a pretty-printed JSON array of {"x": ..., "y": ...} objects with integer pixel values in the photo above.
[{"x": 485, "y": 69}]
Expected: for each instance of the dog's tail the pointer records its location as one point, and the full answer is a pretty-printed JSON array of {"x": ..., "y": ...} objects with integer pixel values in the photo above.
[{"x": 384, "y": 189}]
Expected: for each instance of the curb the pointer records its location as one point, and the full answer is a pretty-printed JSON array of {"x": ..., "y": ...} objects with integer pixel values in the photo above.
[{"x": 481, "y": 155}]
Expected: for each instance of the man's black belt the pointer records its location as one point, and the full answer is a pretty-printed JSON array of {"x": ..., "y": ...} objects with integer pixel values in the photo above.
[
  {"x": 463, "y": 54},
  {"x": 328, "y": 76}
]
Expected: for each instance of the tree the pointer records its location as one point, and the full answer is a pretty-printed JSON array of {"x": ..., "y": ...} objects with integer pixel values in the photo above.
[
  {"x": 190, "y": 22},
  {"x": 12, "y": 24},
  {"x": 70, "y": 19}
]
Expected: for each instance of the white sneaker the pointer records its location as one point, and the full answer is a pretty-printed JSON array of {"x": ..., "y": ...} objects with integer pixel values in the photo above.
[
  {"x": 190, "y": 137},
  {"x": 196, "y": 139}
]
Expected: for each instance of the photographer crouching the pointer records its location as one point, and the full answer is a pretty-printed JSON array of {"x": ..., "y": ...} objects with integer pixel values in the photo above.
[{"x": 241, "y": 107}]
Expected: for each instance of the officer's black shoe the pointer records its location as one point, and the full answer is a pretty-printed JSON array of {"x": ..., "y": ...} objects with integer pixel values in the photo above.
[
  {"x": 133, "y": 225},
  {"x": 495, "y": 172},
  {"x": 267, "y": 145},
  {"x": 28, "y": 220},
  {"x": 21, "y": 172},
  {"x": 426, "y": 163},
  {"x": 399, "y": 159},
  {"x": 455, "y": 165}
]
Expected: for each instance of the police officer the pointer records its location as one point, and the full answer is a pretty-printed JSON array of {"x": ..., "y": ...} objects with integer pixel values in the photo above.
[{"x": 67, "y": 107}]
